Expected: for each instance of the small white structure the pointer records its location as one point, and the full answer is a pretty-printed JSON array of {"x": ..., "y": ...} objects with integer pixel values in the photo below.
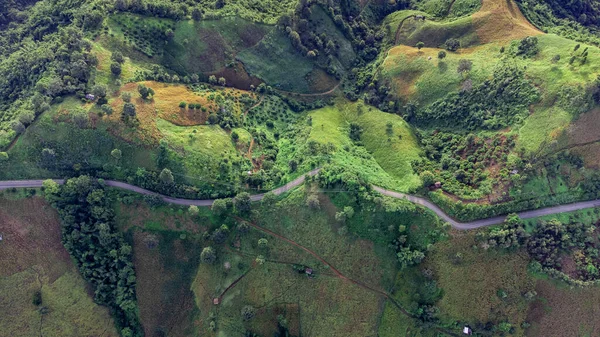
[
  {"x": 467, "y": 330},
  {"x": 0, "y": 237}
]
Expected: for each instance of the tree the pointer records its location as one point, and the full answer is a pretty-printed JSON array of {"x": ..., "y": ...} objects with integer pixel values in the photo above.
[
  {"x": 193, "y": 210},
  {"x": 221, "y": 206},
  {"x": 169, "y": 34},
  {"x": 262, "y": 243},
  {"x": 208, "y": 255},
  {"x": 197, "y": 14},
  {"x": 355, "y": 131},
  {"x": 442, "y": 55},
  {"x": 222, "y": 81},
  {"x": 427, "y": 178},
  {"x": 420, "y": 45},
  {"x": 115, "y": 68},
  {"x": 182, "y": 104},
  {"x": 117, "y": 57},
  {"x": 166, "y": 177},
  {"x": 144, "y": 91},
  {"x": 3, "y": 156},
  {"x": 128, "y": 111},
  {"x": 212, "y": 79},
  {"x": 234, "y": 136},
  {"x": 126, "y": 96},
  {"x": 107, "y": 109},
  {"x": 26, "y": 118},
  {"x": 51, "y": 187},
  {"x": 48, "y": 157},
  {"x": 194, "y": 78},
  {"x": 293, "y": 165},
  {"x": 242, "y": 203},
  {"x": 464, "y": 65},
  {"x": 248, "y": 312},
  {"x": 116, "y": 153},
  {"x": 18, "y": 127},
  {"x": 408, "y": 257},
  {"x": 99, "y": 90},
  {"x": 313, "y": 202},
  {"x": 452, "y": 44}
]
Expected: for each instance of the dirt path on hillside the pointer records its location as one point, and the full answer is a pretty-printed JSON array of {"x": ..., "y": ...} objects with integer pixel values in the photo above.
[
  {"x": 254, "y": 106},
  {"x": 397, "y": 35},
  {"x": 330, "y": 91}
]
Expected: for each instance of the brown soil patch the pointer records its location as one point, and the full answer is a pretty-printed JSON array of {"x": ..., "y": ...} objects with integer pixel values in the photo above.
[
  {"x": 585, "y": 129},
  {"x": 502, "y": 20},
  {"x": 564, "y": 312},
  {"x": 237, "y": 76},
  {"x": 31, "y": 236},
  {"x": 590, "y": 155},
  {"x": 319, "y": 81},
  {"x": 165, "y": 303}
]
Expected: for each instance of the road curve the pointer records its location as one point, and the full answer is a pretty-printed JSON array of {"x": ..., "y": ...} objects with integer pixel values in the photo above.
[{"x": 294, "y": 183}]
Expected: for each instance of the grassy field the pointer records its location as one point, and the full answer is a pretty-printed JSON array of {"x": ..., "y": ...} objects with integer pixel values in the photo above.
[
  {"x": 393, "y": 152},
  {"x": 39, "y": 262},
  {"x": 275, "y": 61},
  {"x": 324, "y": 305},
  {"x": 471, "y": 283},
  {"x": 561, "y": 311},
  {"x": 87, "y": 147}
]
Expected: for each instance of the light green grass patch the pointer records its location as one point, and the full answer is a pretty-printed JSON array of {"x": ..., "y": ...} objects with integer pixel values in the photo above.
[
  {"x": 329, "y": 126},
  {"x": 393, "y": 151},
  {"x": 202, "y": 146},
  {"x": 542, "y": 127}
]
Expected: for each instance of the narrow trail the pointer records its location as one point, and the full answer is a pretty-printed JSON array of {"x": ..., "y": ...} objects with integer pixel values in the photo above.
[
  {"x": 254, "y": 106},
  {"x": 337, "y": 273},
  {"x": 330, "y": 91},
  {"x": 397, "y": 35},
  {"x": 233, "y": 284}
]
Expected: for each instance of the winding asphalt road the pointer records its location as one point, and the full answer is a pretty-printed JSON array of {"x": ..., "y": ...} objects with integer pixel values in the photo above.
[{"x": 292, "y": 184}]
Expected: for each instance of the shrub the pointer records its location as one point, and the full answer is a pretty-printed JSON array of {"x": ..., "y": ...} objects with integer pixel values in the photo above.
[
  {"x": 182, "y": 104},
  {"x": 442, "y": 55},
  {"x": 452, "y": 44},
  {"x": 248, "y": 312},
  {"x": 208, "y": 255}
]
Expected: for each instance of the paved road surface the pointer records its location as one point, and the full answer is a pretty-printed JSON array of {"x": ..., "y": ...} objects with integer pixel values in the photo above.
[{"x": 417, "y": 200}]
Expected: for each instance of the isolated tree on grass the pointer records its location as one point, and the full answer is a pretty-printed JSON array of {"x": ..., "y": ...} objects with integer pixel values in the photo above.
[
  {"x": 248, "y": 312},
  {"x": 128, "y": 111},
  {"x": 126, "y": 97},
  {"x": 208, "y": 255},
  {"x": 464, "y": 66},
  {"x": 442, "y": 55},
  {"x": 144, "y": 91},
  {"x": 452, "y": 44},
  {"x": 420, "y": 45}
]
